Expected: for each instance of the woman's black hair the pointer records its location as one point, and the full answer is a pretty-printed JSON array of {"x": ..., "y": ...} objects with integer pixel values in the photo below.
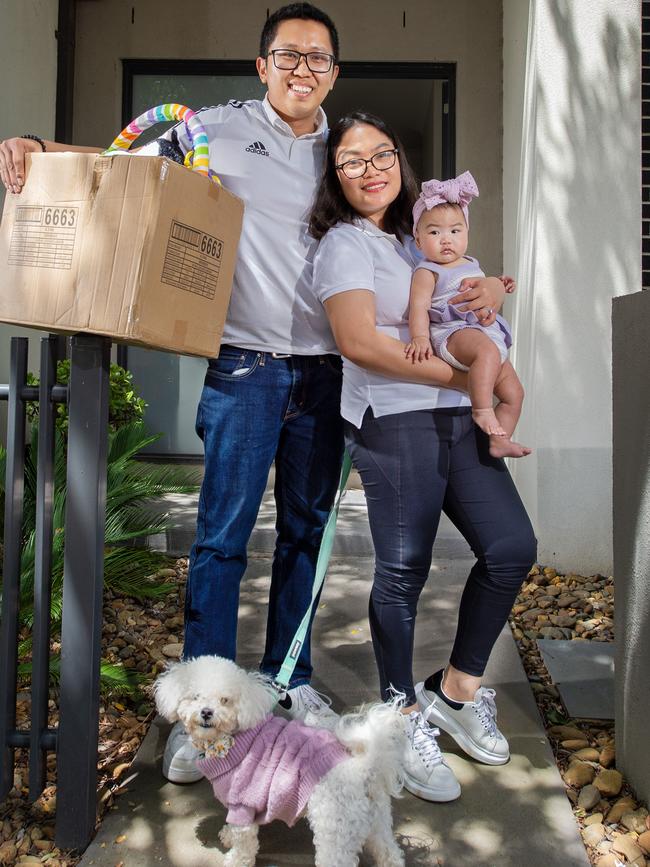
[
  {"x": 330, "y": 205},
  {"x": 297, "y": 10}
]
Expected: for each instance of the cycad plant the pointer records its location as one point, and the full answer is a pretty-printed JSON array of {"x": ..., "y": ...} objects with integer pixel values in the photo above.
[{"x": 131, "y": 491}]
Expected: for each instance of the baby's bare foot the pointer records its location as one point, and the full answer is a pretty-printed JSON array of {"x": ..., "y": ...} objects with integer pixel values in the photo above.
[
  {"x": 488, "y": 422},
  {"x": 504, "y": 447}
]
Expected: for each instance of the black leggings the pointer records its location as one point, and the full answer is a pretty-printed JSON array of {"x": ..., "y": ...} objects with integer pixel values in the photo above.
[{"x": 412, "y": 466}]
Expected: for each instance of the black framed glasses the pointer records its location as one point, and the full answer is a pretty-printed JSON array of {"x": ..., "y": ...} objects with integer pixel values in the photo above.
[
  {"x": 285, "y": 58},
  {"x": 357, "y": 167}
]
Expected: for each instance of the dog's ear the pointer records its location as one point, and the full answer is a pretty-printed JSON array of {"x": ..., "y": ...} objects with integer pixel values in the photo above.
[
  {"x": 257, "y": 698},
  {"x": 169, "y": 689}
]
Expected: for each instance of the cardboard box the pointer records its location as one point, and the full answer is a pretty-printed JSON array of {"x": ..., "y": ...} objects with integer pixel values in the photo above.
[{"x": 134, "y": 247}]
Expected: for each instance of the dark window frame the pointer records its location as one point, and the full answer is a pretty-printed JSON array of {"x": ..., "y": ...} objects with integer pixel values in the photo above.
[{"x": 352, "y": 69}]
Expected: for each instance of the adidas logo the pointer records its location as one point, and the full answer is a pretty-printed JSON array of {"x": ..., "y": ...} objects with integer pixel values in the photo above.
[{"x": 257, "y": 148}]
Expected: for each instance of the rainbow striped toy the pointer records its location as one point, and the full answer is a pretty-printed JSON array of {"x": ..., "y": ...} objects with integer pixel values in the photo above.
[{"x": 197, "y": 159}]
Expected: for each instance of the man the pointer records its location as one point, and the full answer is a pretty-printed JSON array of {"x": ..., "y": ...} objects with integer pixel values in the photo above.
[{"x": 273, "y": 394}]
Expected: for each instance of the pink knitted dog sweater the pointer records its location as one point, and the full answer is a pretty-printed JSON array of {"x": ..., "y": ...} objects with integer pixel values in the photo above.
[{"x": 271, "y": 770}]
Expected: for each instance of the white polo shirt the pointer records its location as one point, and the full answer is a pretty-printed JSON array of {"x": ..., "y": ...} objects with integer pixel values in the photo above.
[
  {"x": 360, "y": 256},
  {"x": 257, "y": 156}
]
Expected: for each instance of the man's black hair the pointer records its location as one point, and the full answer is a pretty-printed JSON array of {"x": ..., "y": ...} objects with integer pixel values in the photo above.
[{"x": 292, "y": 11}]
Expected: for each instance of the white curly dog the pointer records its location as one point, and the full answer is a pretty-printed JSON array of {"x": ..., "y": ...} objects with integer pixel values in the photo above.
[{"x": 263, "y": 767}]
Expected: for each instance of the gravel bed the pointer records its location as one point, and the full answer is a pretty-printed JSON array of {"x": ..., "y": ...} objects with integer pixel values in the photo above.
[
  {"x": 144, "y": 636},
  {"x": 615, "y": 826}
]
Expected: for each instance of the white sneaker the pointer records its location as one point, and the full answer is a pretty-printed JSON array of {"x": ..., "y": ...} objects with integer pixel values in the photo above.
[
  {"x": 472, "y": 724},
  {"x": 179, "y": 760},
  {"x": 310, "y": 707},
  {"x": 426, "y": 773}
]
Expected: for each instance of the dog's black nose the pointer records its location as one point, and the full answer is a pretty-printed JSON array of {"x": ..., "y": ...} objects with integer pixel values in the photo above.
[{"x": 206, "y": 714}]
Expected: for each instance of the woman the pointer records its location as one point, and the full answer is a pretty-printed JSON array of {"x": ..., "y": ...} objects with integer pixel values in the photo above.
[{"x": 410, "y": 432}]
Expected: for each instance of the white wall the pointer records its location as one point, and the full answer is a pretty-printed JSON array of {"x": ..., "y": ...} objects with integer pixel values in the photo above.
[
  {"x": 28, "y": 53},
  {"x": 577, "y": 245},
  {"x": 515, "y": 45}
]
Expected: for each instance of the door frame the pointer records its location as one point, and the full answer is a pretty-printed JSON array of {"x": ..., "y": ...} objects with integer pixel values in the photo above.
[{"x": 131, "y": 67}]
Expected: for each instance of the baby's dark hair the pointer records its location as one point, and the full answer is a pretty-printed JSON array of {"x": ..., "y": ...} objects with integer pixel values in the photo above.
[
  {"x": 297, "y": 10},
  {"x": 446, "y": 206}
]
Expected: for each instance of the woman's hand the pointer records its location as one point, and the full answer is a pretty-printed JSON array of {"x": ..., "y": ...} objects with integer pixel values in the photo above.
[
  {"x": 353, "y": 320},
  {"x": 12, "y": 161},
  {"x": 509, "y": 283},
  {"x": 483, "y": 295}
]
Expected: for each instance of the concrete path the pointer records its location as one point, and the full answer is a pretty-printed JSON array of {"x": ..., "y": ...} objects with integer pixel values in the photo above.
[{"x": 516, "y": 815}]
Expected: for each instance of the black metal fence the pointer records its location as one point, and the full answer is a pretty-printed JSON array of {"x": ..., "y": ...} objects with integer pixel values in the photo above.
[{"x": 75, "y": 740}]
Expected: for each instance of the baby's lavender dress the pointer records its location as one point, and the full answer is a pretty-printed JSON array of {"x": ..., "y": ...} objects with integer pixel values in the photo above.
[{"x": 447, "y": 318}]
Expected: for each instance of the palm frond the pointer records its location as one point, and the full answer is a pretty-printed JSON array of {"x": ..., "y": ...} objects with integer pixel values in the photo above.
[
  {"x": 132, "y": 521},
  {"x": 131, "y": 571},
  {"x": 116, "y": 681},
  {"x": 126, "y": 442},
  {"x": 132, "y": 489}
]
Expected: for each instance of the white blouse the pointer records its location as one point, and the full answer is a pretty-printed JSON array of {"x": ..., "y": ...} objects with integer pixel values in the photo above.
[{"x": 361, "y": 256}]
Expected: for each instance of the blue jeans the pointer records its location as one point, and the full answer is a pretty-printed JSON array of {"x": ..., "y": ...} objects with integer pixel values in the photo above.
[
  {"x": 413, "y": 465},
  {"x": 256, "y": 409}
]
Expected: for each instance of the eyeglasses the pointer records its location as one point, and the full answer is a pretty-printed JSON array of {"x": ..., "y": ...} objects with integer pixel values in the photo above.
[
  {"x": 357, "y": 168},
  {"x": 316, "y": 61}
]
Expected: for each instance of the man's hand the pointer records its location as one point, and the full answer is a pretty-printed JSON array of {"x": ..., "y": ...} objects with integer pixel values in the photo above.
[
  {"x": 12, "y": 161},
  {"x": 483, "y": 295},
  {"x": 12, "y": 158}
]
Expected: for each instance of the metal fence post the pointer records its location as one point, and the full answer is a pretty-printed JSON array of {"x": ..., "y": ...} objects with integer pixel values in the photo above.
[
  {"x": 82, "y": 591},
  {"x": 42, "y": 568},
  {"x": 14, "y": 494}
]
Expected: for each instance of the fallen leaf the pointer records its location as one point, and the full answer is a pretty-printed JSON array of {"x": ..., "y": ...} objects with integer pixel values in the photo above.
[{"x": 120, "y": 769}]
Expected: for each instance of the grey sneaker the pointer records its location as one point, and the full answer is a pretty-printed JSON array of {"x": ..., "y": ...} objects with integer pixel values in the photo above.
[
  {"x": 472, "y": 724},
  {"x": 310, "y": 707},
  {"x": 426, "y": 774},
  {"x": 179, "y": 760}
]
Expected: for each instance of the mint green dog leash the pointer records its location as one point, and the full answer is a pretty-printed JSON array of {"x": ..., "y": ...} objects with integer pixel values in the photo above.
[{"x": 283, "y": 677}]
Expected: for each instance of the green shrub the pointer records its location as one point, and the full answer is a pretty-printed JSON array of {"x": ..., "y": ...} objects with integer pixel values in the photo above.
[
  {"x": 124, "y": 407},
  {"x": 131, "y": 486}
]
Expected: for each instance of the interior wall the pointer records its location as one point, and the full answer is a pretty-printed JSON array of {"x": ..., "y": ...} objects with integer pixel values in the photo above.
[{"x": 467, "y": 32}]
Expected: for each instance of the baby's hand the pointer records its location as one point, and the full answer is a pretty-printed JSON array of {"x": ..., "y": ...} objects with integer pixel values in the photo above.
[{"x": 419, "y": 348}]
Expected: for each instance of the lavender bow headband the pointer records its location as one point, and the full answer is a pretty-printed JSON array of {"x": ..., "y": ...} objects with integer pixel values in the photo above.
[{"x": 456, "y": 191}]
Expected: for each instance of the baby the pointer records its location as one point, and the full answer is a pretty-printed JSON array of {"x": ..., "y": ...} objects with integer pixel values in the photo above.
[{"x": 440, "y": 228}]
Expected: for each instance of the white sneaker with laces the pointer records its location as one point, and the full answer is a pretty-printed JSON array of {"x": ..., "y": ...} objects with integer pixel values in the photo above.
[
  {"x": 179, "y": 759},
  {"x": 426, "y": 773},
  {"x": 310, "y": 707},
  {"x": 472, "y": 724}
]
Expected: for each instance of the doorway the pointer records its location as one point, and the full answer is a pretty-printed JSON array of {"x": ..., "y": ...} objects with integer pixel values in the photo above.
[{"x": 416, "y": 99}]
